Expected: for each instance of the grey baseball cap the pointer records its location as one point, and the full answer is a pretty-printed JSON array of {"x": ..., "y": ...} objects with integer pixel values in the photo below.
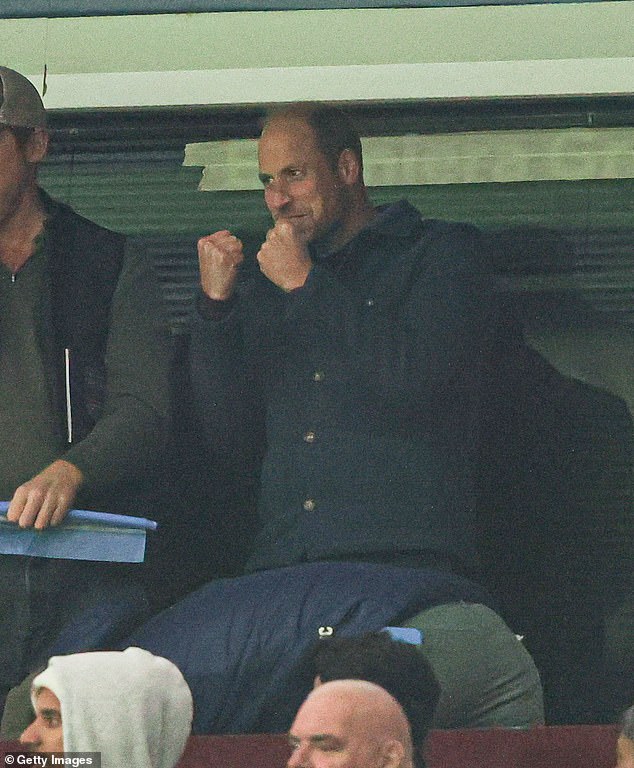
[{"x": 20, "y": 103}]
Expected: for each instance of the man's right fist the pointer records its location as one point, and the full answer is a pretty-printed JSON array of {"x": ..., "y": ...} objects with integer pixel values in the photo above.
[{"x": 219, "y": 256}]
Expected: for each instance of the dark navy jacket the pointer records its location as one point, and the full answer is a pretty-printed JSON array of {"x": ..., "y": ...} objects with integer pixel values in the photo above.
[
  {"x": 239, "y": 642},
  {"x": 356, "y": 396}
]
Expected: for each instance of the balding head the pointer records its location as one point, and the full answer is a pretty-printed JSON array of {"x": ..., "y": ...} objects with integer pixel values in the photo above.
[
  {"x": 350, "y": 724},
  {"x": 311, "y": 168},
  {"x": 333, "y": 129}
]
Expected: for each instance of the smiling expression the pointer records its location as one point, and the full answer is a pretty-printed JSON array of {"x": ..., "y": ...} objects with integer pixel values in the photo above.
[{"x": 300, "y": 185}]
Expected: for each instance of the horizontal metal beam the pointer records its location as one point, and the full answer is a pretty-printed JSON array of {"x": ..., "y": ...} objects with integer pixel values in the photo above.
[
  {"x": 460, "y": 158},
  {"x": 50, "y": 9},
  {"x": 346, "y": 84}
]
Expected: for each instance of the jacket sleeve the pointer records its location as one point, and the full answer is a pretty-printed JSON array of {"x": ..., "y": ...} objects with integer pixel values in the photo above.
[
  {"x": 227, "y": 391},
  {"x": 129, "y": 437}
]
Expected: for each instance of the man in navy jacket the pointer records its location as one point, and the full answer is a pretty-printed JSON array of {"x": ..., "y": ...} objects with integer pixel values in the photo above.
[
  {"x": 343, "y": 372},
  {"x": 348, "y": 370}
]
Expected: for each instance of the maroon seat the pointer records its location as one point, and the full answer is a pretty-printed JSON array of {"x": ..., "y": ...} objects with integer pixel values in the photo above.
[{"x": 582, "y": 746}]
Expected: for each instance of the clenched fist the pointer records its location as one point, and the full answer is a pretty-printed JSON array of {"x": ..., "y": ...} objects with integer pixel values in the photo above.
[
  {"x": 219, "y": 256},
  {"x": 284, "y": 256}
]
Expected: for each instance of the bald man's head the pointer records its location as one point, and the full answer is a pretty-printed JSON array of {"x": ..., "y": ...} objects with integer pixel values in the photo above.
[{"x": 350, "y": 724}]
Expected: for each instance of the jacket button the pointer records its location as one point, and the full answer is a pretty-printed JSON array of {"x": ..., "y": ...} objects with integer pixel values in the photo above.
[
  {"x": 309, "y": 437},
  {"x": 319, "y": 376},
  {"x": 309, "y": 505}
]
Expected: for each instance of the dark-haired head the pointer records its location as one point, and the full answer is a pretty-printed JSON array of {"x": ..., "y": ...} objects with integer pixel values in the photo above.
[{"x": 400, "y": 668}]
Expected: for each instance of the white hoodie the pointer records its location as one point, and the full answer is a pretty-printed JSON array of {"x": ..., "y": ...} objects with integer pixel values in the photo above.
[{"x": 131, "y": 706}]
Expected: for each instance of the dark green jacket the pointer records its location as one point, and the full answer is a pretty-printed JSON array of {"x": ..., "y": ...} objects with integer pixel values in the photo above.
[{"x": 108, "y": 314}]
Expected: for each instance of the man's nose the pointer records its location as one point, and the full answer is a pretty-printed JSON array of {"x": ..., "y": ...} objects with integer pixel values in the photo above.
[
  {"x": 276, "y": 195},
  {"x": 30, "y": 734}
]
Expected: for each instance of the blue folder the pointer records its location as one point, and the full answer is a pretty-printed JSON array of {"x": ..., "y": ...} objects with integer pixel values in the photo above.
[{"x": 83, "y": 535}]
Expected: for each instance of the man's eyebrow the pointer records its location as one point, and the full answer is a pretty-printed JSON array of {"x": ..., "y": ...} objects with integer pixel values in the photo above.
[
  {"x": 327, "y": 741},
  {"x": 49, "y": 712},
  {"x": 317, "y": 739}
]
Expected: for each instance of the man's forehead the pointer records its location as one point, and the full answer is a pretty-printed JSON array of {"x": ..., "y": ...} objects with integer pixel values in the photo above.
[
  {"x": 45, "y": 698},
  {"x": 310, "y": 722},
  {"x": 324, "y": 715}
]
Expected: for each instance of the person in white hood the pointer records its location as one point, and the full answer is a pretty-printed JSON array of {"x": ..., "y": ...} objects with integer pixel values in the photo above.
[{"x": 132, "y": 707}]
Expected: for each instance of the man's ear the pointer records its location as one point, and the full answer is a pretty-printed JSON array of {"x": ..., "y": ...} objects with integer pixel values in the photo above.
[
  {"x": 348, "y": 167},
  {"x": 37, "y": 146},
  {"x": 393, "y": 754}
]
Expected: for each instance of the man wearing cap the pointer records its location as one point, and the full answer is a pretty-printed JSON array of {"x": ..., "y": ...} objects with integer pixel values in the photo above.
[
  {"x": 83, "y": 387},
  {"x": 130, "y": 706}
]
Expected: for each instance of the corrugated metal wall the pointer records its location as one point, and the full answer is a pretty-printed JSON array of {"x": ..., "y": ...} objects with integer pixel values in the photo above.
[{"x": 154, "y": 198}]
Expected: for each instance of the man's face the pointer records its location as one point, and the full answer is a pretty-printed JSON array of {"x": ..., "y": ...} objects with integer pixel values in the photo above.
[
  {"x": 17, "y": 169},
  {"x": 45, "y": 732},
  {"x": 299, "y": 183},
  {"x": 624, "y": 753},
  {"x": 328, "y": 734}
]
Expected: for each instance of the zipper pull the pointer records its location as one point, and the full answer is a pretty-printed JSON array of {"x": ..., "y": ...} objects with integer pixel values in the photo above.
[{"x": 69, "y": 410}]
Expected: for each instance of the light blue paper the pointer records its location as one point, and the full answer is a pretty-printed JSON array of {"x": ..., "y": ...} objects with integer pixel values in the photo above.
[
  {"x": 84, "y": 535},
  {"x": 103, "y": 518}
]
